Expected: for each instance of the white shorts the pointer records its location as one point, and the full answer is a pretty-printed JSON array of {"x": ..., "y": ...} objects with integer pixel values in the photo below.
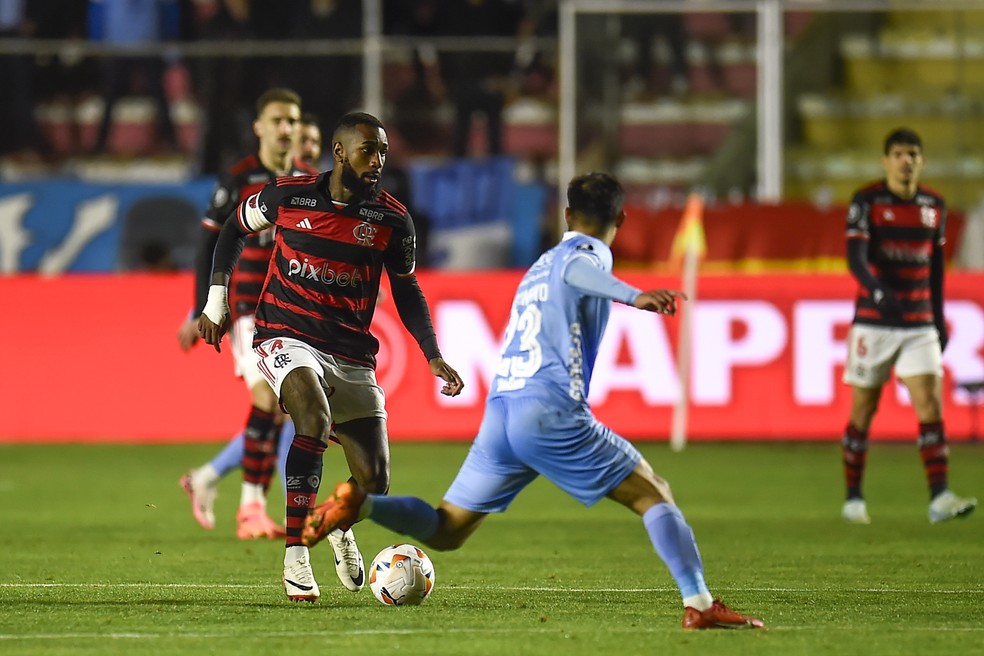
[
  {"x": 354, "y": 393},
  {"x": 243, "y": 356},
  {"x": 874, "y": 350}
]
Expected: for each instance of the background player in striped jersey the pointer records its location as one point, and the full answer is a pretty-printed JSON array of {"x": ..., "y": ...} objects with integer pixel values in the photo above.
[
  {"x": 336, "y": 233},
  {"x": 895, "y": 237},
  {"x": 201, "y": 482},
  {"x": 537, "y": 420},
  {"x": 309, "y": 142},
  {"x": 278, "y": 113}
]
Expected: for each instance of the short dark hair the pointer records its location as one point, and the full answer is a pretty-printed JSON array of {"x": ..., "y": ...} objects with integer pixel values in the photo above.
[
  {"x": 902, "y": 136},
  {"x": 353, "y": 119},
  {"x": 277, "y": 94},
  {"x": 310, "y": 118},
  {"x": 597, "y": 197}
]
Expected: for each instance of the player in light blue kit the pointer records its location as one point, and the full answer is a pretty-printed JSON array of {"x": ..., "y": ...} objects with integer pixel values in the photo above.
[{"x": 537, "y": 420}]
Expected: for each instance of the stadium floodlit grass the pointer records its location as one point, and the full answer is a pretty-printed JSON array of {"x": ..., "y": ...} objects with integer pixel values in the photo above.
[{"x": 100, "y": 555}]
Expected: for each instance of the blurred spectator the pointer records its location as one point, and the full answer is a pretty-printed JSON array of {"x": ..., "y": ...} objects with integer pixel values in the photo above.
[
  {"x": 67, "y": 75},
  {"x": 535, "y": 67},
  {"x": 135, "y": 23},
  {"x": 18, "y": 21},
  {"x": 270, "y": 21},
  {"x": 330, "y": 86},
  {"x": 227, "y": 112},
  {"x": 478, "y": 82},
  {"x": 418, "y": 100},
  {"x": 646, "y": 77}
]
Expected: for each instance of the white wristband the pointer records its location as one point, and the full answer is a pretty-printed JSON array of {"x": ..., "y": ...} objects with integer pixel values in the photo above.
[{"x": 217, "y": 305}]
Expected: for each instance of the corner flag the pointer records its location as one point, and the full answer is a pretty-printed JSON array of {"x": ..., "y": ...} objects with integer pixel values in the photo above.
[
  {"x": 689, "y": 246},
  {"x": 689, "y": 237}
]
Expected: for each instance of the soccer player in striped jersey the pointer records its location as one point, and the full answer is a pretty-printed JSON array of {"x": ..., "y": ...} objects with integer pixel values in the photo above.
[
  {"x": 895, "y": 237},
  {"x": 201, "y": 482},
  {"x": 278, "y": 113},
  {"x": 537, "y": 420},
  {"x": 336, "y": 234}
]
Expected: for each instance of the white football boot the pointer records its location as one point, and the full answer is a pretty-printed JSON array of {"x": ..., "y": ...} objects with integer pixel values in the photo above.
[
  {"x": 299, "y": 583},
  {"x": 348, "y": 561},
  {"x": 201, "y": 490},
  {"x": 855, "y": 511},
  {"x": 947, "y": 505}
]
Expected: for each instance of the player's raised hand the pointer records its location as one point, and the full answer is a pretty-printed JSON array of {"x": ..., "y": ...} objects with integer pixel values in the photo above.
[
  {"x": 452, "y": 381},
  {"x": 188, "y": 334},
  {"x": 661, "y": 301}
]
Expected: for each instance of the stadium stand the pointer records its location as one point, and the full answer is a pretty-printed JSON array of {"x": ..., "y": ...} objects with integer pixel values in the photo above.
[{"x": 924, "y": 70}]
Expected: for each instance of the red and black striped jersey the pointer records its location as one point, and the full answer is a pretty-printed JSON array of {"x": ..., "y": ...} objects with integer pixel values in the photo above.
[
  {"x": 901, "y": 235},
  {"x": 327, "y": 263},
  {"x": 242, "y": 180}
]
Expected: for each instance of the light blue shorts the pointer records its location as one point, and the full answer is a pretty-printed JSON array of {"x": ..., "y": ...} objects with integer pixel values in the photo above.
[{"x": 524, "y": 437}]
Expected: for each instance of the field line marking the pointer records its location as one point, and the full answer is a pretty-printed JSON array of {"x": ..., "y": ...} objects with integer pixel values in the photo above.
[
  {"x": 240, "y": 586},
  {"x": 191, "y": 635}
]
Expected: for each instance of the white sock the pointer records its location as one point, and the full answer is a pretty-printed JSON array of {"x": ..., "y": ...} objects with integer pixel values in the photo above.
[
  {"x": 700, "y": 601},
  {"x": 205, "y": 476},
  {"x": 252, "y": 493},
  {"x": 293, "y": 554}
]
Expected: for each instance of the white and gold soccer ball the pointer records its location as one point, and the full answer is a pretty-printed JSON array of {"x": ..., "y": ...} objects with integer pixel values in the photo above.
[{"x": 401, "y": 575}]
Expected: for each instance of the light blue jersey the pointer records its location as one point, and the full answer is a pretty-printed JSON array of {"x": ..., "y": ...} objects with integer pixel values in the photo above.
[
  {"x": 537, "y": 420},
  {"x": 554, "y": 330}
]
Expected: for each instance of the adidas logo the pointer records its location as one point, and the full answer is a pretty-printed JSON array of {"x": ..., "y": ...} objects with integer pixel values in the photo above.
[{"x": 305, "y": 224}]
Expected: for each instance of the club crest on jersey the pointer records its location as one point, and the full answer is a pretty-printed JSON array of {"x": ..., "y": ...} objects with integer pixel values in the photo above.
[
  {"x": 927, "y": 215},
  {"x": 365, "y": 233}
]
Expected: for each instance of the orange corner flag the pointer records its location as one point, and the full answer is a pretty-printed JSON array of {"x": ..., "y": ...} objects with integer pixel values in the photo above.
[{"x": 689, "y": 237}]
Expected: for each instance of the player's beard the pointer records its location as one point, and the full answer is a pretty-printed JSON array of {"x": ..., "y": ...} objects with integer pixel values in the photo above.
[{"x": 355, "y": 184}]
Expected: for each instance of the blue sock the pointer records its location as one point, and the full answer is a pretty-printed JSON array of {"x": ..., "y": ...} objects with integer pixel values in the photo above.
[
  {"x": 675, "y": 543},
  {"x": 283, "y": 447},
  {"x": 405, "y": 515},
  {"x": 230, "y": 457}
]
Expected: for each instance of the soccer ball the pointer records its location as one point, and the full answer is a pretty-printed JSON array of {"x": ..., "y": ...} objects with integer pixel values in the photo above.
[{"x": 401, "y": 575}]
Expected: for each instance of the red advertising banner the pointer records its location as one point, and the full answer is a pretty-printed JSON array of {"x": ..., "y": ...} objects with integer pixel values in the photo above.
[
  {"x": 95, "y": 358},
  {"x": 744, "y": 238}
]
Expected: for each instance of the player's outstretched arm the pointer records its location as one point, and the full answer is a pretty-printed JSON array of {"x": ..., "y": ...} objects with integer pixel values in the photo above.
[
  {"x": 452, "y": 381},
  {"x": 661, "y": 301}
]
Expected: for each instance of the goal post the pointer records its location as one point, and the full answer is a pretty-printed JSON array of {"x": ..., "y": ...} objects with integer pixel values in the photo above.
[
  {"x": 689, "y": 245},
  {"x": 769, "y": 69}
]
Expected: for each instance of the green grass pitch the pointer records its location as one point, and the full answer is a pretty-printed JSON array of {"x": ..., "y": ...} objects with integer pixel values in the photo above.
[{"x": 99, "y": 554}]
